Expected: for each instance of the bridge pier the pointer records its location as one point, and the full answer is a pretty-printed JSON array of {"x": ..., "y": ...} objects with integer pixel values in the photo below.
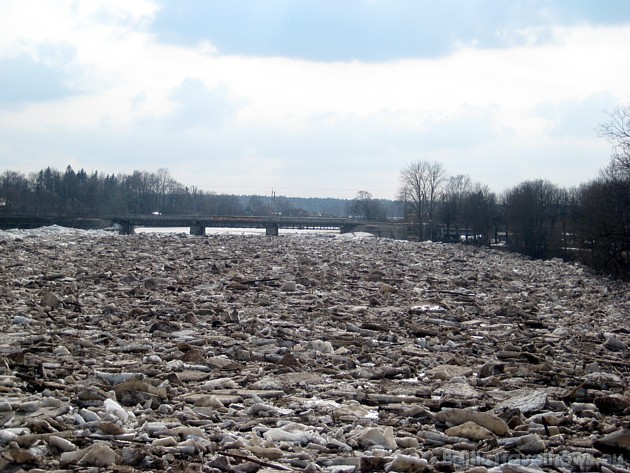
[
  {"x": 271, "y": 229},
  {"x": 198, "y": 229},
  {"x": 127, "y": 229}
]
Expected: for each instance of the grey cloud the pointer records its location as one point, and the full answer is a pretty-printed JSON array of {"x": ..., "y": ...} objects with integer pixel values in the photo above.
[
  {"x": 198, "y": 106},
  {"x": 376, "y": 30},
  {"x": 25, "y": 80},
  {"x": 576, "y": 119}
]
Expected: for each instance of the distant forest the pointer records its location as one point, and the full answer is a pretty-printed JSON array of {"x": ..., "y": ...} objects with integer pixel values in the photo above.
[{"x": 51, "y": 192}]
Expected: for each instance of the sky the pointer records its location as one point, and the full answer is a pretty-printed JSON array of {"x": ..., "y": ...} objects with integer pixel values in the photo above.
[{"x": 312, "y": 98}]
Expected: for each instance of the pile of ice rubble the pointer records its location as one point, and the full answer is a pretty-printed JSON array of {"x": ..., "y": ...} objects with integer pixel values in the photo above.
[{"x": 229, "y": 353}]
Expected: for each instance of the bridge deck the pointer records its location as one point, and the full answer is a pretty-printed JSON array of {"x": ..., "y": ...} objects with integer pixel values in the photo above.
[
  {"x": 239, "y": 221},
  {"x": 198, "y": 224}
]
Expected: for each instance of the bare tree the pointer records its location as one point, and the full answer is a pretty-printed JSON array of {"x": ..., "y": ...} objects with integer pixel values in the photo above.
[
  {"x": 617, "y": 131},
  {"x": 365, "y": 206},
  {"x": 165, "y": 185},
  {"x": 421, "y": 187},
  {"x": 455, "y": 191},
  {"x": 256, "y": 205},
  {"x": 532, "y": 212},
  {"x": 479, "y": 208},
  {"x": 14, "y": 192},
  {"x": 436, "y": 177}
]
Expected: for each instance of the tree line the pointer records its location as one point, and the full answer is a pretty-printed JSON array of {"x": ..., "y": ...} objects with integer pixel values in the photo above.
[
  {"x": 590, "y": 223},
  {"x": 51, "y": 192},
  {"x": 71, "y": 193}
]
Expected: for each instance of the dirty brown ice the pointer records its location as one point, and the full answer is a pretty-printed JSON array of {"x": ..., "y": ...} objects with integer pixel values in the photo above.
[{"x": 305, "y": 353}]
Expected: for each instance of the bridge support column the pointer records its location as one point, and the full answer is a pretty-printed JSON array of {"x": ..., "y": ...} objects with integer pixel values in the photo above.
[
  {"x": 198, "y": 229},
  {"x": 127, "y": 229},
  {"x": 271, "y": 229}
]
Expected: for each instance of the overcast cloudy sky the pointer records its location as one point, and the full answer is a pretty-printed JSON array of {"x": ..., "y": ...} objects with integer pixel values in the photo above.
[{"x": 312, "y": 97}]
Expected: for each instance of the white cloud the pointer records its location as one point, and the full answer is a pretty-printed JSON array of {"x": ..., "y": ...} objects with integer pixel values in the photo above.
[{"x": 476, "y": 109}]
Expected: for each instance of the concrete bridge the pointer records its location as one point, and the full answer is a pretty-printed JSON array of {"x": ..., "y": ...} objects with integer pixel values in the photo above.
[
  {"x": 198, "y": 224},
  {"x": 271, "y": 224}
]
